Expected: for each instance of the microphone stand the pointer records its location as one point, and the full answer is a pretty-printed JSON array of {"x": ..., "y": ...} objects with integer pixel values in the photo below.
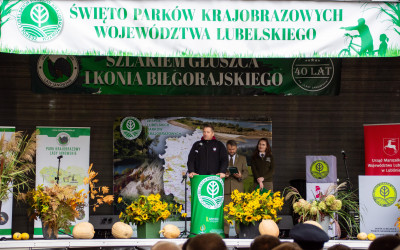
[
  {"x": 58, "y": 169},
  {"x": 185, "y": 232},
  {"x": 349, "y": 185}
]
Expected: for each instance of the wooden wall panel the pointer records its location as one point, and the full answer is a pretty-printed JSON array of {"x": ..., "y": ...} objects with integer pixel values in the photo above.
[{"x": 302, "y": 125}]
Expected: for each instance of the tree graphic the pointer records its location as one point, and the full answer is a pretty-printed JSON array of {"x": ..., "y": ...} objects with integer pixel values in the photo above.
[
  {"x": 384, "y": 191},
  {"x": 319, "y": 167},
  {"x": 130, "y": 125},
  {"x": 39, "y": 14},
  {"x": 212, "y": 188}
]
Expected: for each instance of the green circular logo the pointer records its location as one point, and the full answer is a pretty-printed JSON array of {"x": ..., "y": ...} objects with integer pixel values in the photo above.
[
  {"x": 210, "y": 192},
  {"x": 39, "y": 21},
  {"x": 130, "y": 128},
  {"x": 319, "y": 169},
  {"x": 384, "y": 194}
]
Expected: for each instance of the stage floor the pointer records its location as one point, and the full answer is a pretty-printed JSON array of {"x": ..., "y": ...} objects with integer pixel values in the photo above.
[{"x": 142, "y": 243}]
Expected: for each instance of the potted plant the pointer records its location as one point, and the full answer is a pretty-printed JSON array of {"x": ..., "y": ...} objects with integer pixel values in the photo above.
[
  {"x": 147, "y": 212},
  {"x": 58, "y": 206},
  {"x": 248, "y": 209},
  {"x": 16, "y": 163},
  {"x": 336, "y": 203}
]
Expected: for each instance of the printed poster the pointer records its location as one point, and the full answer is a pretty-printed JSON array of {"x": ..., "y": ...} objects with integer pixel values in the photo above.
[
  {"x": 65, "y": 151},
  {"x": 381, "y": 143},
  {"x": 6, "y": 206},
  {"x": 150, "y": 154},
  {"x": 378, "y": 196}
]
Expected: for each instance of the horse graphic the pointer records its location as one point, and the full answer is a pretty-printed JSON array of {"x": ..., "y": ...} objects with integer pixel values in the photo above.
[{"x": 391, "y": 146}]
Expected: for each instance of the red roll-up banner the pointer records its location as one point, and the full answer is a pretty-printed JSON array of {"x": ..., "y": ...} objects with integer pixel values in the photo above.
[{"x": 382, "y": 156}]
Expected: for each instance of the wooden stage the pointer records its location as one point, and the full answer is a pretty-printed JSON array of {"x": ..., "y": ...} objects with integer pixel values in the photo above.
[{"x": 142, "y": 243}]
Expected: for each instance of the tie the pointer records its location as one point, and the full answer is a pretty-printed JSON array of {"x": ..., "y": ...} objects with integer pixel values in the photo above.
[
  {"x": 262, "y": 155},
  {"x": 230, "y": 160}
]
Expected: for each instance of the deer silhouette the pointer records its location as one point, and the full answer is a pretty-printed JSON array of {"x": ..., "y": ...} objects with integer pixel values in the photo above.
[{"x": 390, "y": 145}]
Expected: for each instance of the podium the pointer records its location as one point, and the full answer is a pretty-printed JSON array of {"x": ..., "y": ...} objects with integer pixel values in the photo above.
[{"x": 207, "y": 205}]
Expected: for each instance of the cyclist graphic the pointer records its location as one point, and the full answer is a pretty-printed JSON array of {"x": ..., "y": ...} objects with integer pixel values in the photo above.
[
  {"x": 383, "y": 46},
  {"x": 367, "y": 44}
]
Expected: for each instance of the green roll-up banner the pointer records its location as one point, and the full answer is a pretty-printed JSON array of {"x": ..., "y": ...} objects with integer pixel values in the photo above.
[{"x": 207, "y": 205}]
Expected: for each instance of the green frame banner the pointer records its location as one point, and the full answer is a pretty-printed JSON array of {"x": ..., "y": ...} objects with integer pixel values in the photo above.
[
  {"x": 123, "y": 75},
  {"x": 207, "y": 205},
  {"x": 239, "y": 29},
  {"x": 68, "y": 149},
  {"x": 7, "y": 205}
]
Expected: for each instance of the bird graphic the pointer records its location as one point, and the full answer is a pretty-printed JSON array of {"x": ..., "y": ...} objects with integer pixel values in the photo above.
[{"x": 59, "y": 66}]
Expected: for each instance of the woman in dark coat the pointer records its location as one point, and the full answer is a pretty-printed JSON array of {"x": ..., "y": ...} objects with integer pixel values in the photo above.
[{"x": 262, "y": 165}]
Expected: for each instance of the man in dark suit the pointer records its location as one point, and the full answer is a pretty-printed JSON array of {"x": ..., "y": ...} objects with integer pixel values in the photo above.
[{"x": 234, "y": 181}]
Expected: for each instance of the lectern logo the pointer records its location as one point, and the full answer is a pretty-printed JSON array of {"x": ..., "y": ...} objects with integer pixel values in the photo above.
[
  {"x": 39, "y": 21},
  {"x": 384, "y": 194},
  {"x": 390, "y": 146},
  {"x": 210, "y": 192},
  {"x": 130, "y": 128},
  {"x": 319, "y": 169}
]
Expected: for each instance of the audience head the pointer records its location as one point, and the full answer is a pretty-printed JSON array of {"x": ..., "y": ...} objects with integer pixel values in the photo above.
[
  {"x": 264, "y": 242},
  {"x": 386, "y": 242},
  {"x": 288, "y": 246},
  {"x": 165, "y": 245},
  {"x": 339, "y": 247},
  {"x": 308, "y": 236},
  {"x": 207, "y": 241}
]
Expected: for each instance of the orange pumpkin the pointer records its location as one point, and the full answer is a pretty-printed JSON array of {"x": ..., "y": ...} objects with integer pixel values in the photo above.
[
  {"x": 121, "y": 230},
  {"x": 269, "y": 227},
  {"x": 83, "y": 230}
]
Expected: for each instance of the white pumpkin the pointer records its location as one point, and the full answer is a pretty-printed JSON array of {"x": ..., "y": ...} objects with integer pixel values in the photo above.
[
  {"x": 268, "y": 227},
  {"x": 170, "y": 231},
  {"x": 83, "y": 230},
  {"x": 121, "y": 230}
]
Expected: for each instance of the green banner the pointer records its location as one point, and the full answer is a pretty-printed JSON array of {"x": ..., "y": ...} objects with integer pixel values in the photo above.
[
  {"x": 233, "y": 29},
  {"x": 207, "y": 205},
  {"x": 185, "y": 76}
]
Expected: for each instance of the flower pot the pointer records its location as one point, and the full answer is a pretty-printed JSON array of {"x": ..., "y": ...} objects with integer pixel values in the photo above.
[
  {"x": 47, "y": 235},
  {"x": 249, "y": 231},
  {"x": 324, "y": 221},
  {"x": 149, "y": 230}
]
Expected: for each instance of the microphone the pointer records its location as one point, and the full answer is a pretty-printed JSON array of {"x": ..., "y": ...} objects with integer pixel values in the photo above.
[
  {"x": 344, "y": 154},
  {"x": 59, "y": 157}
]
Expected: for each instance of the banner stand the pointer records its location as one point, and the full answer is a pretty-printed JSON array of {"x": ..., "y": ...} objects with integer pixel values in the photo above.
[{"x": 207, "y": 205}]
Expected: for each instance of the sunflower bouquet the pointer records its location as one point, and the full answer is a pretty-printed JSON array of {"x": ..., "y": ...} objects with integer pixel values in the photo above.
[
  {"x": 148, "y": 209},
  {"x": 248, "y": 208}
]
